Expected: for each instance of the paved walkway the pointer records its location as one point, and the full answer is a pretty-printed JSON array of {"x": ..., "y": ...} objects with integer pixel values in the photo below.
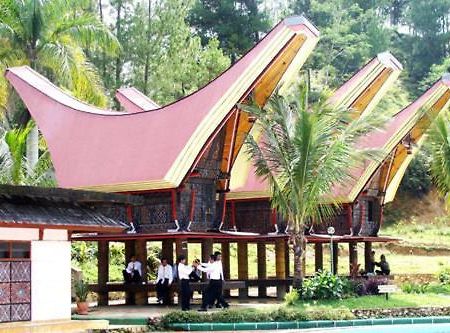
[{"x": 153, "y": 310}]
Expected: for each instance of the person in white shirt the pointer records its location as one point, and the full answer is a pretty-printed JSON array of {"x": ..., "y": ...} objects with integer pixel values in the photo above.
[
  {"x": 214, "y": 290},
  {"x": 183, "y": 275},
  {"x": 133, "y": 271},
  {"x": 163, "y": 282}
]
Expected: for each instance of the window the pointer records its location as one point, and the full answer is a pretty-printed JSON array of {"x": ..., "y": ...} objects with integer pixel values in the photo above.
[
  {"x": 4, "y": 250},
  {"x": 15, "y": 250}
]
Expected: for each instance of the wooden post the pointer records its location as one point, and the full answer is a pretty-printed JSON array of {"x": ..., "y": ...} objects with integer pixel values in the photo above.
[
  {"x": 335, "y": 258},
  {"x": 242, "y": 249},
  {"x": 367, "y": 253},
  {"x": 318, "y": 257},
  {"x": 207, "y": 248},
  {"x": 129, "y": 251},
  {"x": 103, "y": 270},
  {"x": 181, "y": 247},
  {"x": 167, "y": 252},
  {"x": 353, "y": 257},
  {"x": 226, "y": 264},
  {"x": 288, "y": 260},
  {"x": 280, "y": 265},
  {"x": 141, "y": 297},
  {"x": 303, "y": 258},
  {"x": 262, "y": 267}
]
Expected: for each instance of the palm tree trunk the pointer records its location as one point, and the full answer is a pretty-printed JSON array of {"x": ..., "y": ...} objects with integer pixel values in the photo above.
[
  {"x": 33, "y": 147},
  {"x": 298, "y": 245}
]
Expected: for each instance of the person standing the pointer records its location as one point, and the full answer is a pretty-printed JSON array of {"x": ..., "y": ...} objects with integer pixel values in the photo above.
[
  {"x": 184, "y": 290},
  {"x": 214, "y": 289},
  {"x": 133, "y": 271},
  {"x": 163, "y": 282},
  {"x": 220, "y": 300}
]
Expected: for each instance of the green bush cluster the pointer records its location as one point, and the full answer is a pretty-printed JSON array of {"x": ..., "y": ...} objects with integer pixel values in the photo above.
[
  {"x": 444, "y": 276},
  {"x": 415, "y": 288},
  {"x": 253, "y": 315},
  {"x": 443, "y": 287},
  {"x": 324, "y": 285}
]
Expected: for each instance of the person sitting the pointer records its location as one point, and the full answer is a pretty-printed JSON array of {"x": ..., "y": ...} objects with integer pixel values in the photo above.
[
  {"x": 133, "y": 272},
  {"x": 163, "y": 282},
  {"x": 384, "y": 266}
]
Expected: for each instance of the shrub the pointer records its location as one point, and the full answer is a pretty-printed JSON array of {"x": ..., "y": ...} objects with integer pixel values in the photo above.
[
  {"x": 444, "y": 275},
  {"x": 324, "y": 285},
  {"x": 253, "y": 315},
  {"x": 414, "y": 288},
  {"x": 291, "y": 297},
  {"x": 330, "y": 314}
]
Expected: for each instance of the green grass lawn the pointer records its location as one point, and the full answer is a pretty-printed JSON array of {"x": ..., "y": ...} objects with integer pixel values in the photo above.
[{"x": 379, "y": 302}]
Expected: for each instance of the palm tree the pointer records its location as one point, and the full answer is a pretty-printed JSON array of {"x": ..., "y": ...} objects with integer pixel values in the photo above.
[
  {"x": 306, "y": 150},
  {"x": 439, "y": 139},
  {"x": 53, "y": 36},
  {"x": 14, "y": 165}
]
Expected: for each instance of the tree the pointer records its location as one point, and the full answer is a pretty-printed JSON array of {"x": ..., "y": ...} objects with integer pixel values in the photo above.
[
  {"x": 237, "y": 25},
  {"x": 166, "y": 60},
  {"x": 306, "y": 150},
  {"x": 440, "y": 152},
  {"x": 14, "y": 165},
  {"x": 351, "y": 33},
  {"x": 428, "y": 42},
  {"x": 51, "y": 36}
]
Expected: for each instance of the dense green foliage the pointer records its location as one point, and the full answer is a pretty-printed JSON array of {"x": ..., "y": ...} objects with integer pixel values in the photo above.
[
  {"x": 324, "y": 285},
  {"x": 253, "y": 315},
  {"x": 236, "y": 24}
]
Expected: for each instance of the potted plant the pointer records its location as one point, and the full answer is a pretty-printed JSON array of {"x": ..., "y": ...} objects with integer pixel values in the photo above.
[{"x": 81, "y": 293}]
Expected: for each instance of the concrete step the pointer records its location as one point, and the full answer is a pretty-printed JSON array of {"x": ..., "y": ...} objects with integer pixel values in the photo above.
[{"x": 50, "y": 326}]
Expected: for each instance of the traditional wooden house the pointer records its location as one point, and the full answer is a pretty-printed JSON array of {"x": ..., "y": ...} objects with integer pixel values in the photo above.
[
  {"x": 36, "y": 225},
  {"x": 363, "y": 199},
  {"x": 178, "y": 157}
]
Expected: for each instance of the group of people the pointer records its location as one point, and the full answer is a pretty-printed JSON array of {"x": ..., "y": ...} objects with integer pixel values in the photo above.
[
  {"x": 212, "y": 294},
  {"x": 382, "y": 264}
]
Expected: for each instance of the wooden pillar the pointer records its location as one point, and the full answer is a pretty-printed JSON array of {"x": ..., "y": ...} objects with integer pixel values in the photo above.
[
  {"x": 335, "y": 258},
  {"x": 129, "y": 251},
  {"x": 181, "y": 247},
  {"x": 353, "y": 257},
  {"x": 242, "y": 249},
  {"x": 287, "y": 262},
  {"x": 207, "y": 249},
  {"x": 262, "y": 267},
  {"x": 141, "y": 297},
  {"x": 367, "y": 253},
  {"x": 318, "y": 256},
  {"x": 280, "y": 265},
  {"x": 103, "y": 270},
  {"x": 167, "y": 251},
  {"x": 225, "y": 247}
]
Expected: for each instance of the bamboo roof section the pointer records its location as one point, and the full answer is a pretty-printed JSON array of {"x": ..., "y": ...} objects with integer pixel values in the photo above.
[
  {"x": 109, "y": 151},
  {"x": 361, "y": 93},
  {"x": 133, "y": 100}
]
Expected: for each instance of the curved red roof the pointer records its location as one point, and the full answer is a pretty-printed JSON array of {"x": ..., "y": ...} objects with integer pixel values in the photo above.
[
  {"x": 361, "y": 92},
  {"x": 112, "y": 151}
]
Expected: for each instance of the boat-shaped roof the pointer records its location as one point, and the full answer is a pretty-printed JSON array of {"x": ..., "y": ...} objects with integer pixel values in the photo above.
[{"x": 102, "y": 150}]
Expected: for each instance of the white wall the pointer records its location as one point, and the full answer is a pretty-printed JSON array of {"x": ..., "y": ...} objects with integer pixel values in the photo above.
[
  {"x": 23, "y": 234},
  {"x": 50, "y": 280}
]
